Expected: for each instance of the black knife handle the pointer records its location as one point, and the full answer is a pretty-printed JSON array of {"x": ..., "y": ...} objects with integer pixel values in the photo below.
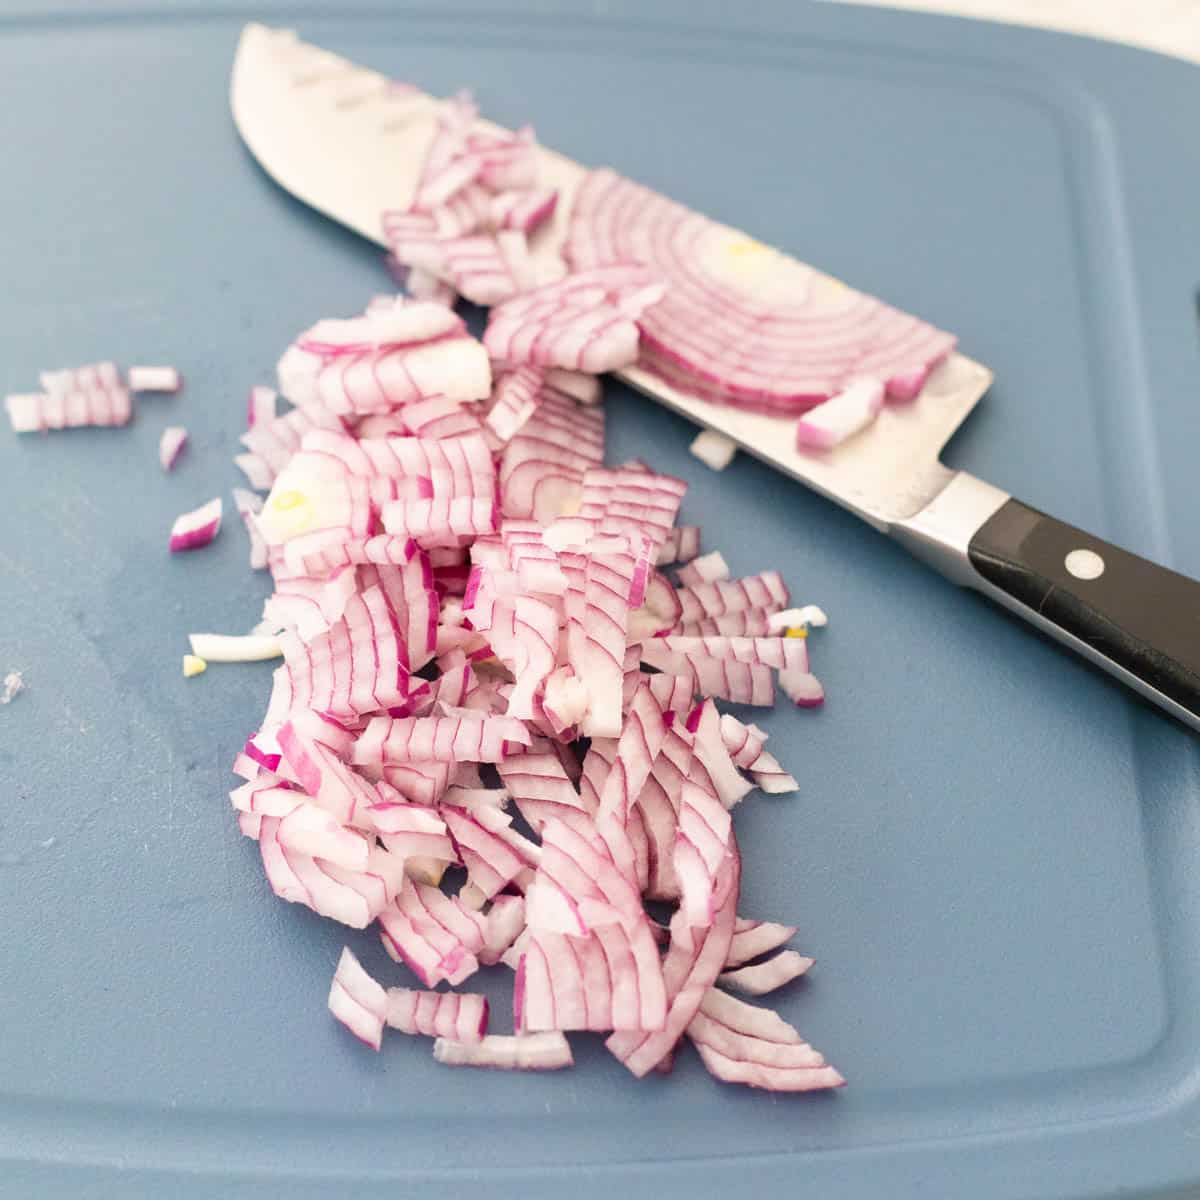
[{"x": 1133, "y": 617}]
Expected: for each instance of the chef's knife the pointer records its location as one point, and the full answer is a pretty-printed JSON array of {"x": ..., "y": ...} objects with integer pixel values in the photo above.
[{"x": 349, "y": 142}]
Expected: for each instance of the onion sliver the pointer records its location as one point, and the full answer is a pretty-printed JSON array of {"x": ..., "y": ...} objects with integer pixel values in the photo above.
[
  {"x": 197, "y": 528},
  {"x": 154, "y": 379},
  {"x": 170, "y": 446},
  {"x": 525, "y": 1052},
  {"x": 220, "y": 647},
  {"x": 740, "y": 321},
  {"x": 358, "y": 1001}
]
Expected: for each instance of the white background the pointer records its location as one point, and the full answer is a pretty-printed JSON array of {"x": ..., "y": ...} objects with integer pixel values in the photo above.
[{"x": 1171, "y": 26}]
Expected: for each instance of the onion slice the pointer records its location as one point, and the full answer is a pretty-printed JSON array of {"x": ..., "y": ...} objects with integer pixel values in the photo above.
[
  {"x": 197, "y": 528},
  {"x": 357, "y": 1000},
  {"x": 456, "y": 1016},
  {"x": 764, "y": 977},
  {"x": 170, "y": 446},
  {"x": 154, "y": 379},
  {"x": 222, "y": 647},
  {"x": 525, "y": 1052},
  {"x": 840, "y": 417},
  {"x": 740, "y": 322}
]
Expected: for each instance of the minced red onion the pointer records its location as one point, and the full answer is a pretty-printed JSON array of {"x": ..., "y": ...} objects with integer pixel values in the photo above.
[{"x": 441, "y": 507}]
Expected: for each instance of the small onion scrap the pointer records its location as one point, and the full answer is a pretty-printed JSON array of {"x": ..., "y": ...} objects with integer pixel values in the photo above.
[
  {"x": 154, "y": 379},
  {"x": 10, "y": 685},
  {"x": 197, "y": 528},
  {"x": 840, "y": 417},
  {"x": 713, "y": 449},
  {"x": 170, "y": 446}
]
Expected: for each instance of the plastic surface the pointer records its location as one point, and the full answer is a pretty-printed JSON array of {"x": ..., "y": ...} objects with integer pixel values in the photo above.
[{"x": 994, "y": 855}]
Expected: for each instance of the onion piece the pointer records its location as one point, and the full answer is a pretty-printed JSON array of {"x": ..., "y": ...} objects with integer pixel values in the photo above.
[
  {"x": 542, "y": 468},
  {"x": 197, "y": 528},
  {"x": 741, "y": 323},
  {"x": 681, "y": 545},
  {"x": 432, "y": 934},
  {"x": 461, "y": 738},
  {"x": 358, "y": 1001},
  {"x": 802, "y": 687},
  {"x": 524, "y": 1052},
  {"x": 692, "y": 962},
  {"x": 797, "y": 618},
  {"x": 740, "y": 1043},
  {"x": 585, "y": 322},
  {"x": 457, "y": 1016},
  {"x": 261, "y": 406},
  {"x": 523, "y": 210},
  {"x": 765, "y": 590},
  {"x": 345, "y": 368},
  {"x": 770, "y": 777},
  {"x": 491, "y": 862},
  {"x": 170, "y": 446},
  {"x": 515, "y": 399},
  {"x": 577, "y": 385},
  {"x": 358, "y": 665},
  {"x": 713, "y": 449},
  {"x": 705, "y": 568},
  {"x": 841, "y": 417},
  {"x": 637, "y": 748},
  {"x": 422, "y": 285},
  {"x": 94, "y": 377},
  {"x": 249, "y": 505},
  {"x": 154, "y": 379},
  {"x": 764, "y": 977},
  {"x": 505, "y": 922},
  {"x": 193, "y": 664},
  {"x": 273, "y": 442},
  {"x": 637, "y": 504},
  {"x": 37, "y": 412},
  {"x": 751, "y": 939},
  {"x": 222, "y": 647}
]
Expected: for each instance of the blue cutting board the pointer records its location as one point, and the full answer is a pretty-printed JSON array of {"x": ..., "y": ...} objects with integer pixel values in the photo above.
[{"x": 994, "y": 854}]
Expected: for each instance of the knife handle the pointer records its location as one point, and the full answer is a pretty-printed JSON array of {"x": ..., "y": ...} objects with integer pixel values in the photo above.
[{"x": 1135, "y": 619}]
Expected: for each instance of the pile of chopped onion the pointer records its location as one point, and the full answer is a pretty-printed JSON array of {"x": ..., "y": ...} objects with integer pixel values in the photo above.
[
  {"x": 493, "y": 736},
  {"x": 486, "y": 665}
]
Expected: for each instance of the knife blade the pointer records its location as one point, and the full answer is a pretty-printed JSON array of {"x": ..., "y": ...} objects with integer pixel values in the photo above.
[{"x": 349, "y": 142}]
